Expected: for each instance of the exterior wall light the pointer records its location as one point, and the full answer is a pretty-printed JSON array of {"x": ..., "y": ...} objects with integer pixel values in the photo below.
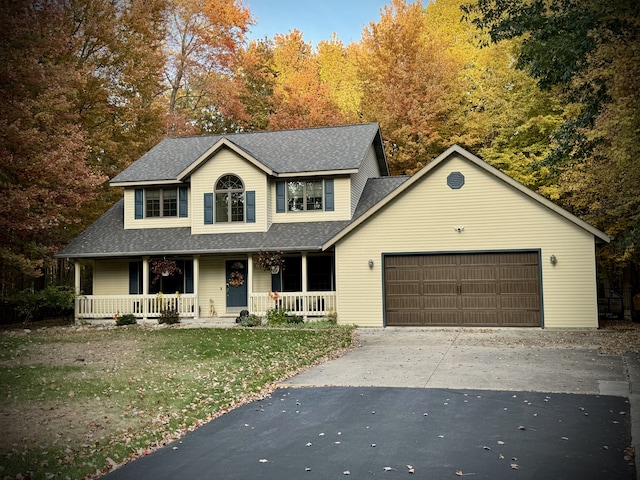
[
  {"x": 370, "y": 263},
  {"x": 553, "y": 260},
  {"x": 459, "y": 229}
]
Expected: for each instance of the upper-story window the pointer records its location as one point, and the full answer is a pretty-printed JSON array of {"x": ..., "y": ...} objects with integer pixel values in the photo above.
[
  {"x": 161, "y": 202},
  {"x": 229, "y": 193},
  {"x": 304, "y": 195}
]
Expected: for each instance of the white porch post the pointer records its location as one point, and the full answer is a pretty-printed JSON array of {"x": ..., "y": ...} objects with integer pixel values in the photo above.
[
  {"x": 196, "y": 285},
  {"x": 77, "y": 273},
  {"x": 249, "y": 281},
  {"x": 145, "y": 287},
  {"x": 304, "y": 283}
]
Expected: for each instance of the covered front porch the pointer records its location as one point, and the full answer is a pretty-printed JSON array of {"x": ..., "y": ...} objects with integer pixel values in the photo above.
[
  {"x": 205, "y": 286},
  {"x": 305, "y": 304}
]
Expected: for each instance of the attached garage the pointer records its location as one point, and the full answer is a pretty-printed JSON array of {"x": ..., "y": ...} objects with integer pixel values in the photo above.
[
  {"x": 460, "y": 243},
  {"x": 469, "y": 289}
]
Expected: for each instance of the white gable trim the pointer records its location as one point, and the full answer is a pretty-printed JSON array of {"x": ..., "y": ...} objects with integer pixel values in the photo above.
[
  {"x": 222, "y": 143},
  {"x": 456, "y": 149}
]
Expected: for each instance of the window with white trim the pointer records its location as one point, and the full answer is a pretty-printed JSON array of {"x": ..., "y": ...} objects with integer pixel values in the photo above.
[
  {"x": 162, "y": 202},
  {"x": 230, "y": 200},
  {"x": 304, "y": 195}
]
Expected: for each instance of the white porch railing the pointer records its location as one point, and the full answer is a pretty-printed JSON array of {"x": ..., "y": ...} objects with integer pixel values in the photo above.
[
  {"x": 306, "y": 304},
  {"x": 149, "y": 306}
]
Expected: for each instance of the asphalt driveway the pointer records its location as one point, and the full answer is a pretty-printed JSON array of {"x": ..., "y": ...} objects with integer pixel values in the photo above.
[{"x": 431, "y": 404}]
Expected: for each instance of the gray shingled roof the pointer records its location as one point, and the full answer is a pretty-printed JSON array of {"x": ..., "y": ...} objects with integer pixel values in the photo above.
[
  {"x": 375, "y": 190},
  {"x": 284, "y": 151},
  {"x": 108, "y": 238}
]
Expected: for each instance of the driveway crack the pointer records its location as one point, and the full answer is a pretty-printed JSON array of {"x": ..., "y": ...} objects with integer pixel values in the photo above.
[{"x": 455, "y": 339}]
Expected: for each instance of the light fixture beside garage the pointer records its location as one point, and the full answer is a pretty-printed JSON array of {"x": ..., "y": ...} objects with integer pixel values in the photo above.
[
  {"x": 459, "y": 229},
  {"x": 370, "y": 263},
  {"x": 553, "y": 260}
]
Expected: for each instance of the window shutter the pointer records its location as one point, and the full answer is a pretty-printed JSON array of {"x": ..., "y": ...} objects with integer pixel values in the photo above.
[
  {"x": 251, "y": 206},
  {"x": 280, "y": 197},
  {"x": 138, "y": 203},
  {"x": 134, "y": 275},
  {"x": 208, "y": 208},
  {"x": 328, "y": 195},
  {"x": 188, "y": 276},
  {"x": 183, "y": 202}
]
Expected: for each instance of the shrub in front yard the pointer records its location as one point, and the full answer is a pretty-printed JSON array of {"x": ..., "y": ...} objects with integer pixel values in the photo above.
[
  {"x": 126, "y": 319},
  {"x": 169, "y": 316},
  {"x": 279, "y": 317},
  {"x": 251, "y": 321}
]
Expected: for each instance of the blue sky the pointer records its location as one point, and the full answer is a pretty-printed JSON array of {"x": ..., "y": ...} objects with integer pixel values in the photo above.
[{"x": 316, "y": 19}]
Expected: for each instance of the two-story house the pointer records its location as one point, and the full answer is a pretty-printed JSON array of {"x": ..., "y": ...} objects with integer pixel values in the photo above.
[{"x": 458, "y": 243}]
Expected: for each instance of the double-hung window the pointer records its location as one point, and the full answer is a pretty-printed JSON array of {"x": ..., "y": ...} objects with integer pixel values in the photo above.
[
  {"x": 161, "y": 202},
  {"x": 304, "y": 195}
]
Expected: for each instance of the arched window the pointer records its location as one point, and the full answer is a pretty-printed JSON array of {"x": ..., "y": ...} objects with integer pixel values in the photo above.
[{"x": 229, "y": 199}]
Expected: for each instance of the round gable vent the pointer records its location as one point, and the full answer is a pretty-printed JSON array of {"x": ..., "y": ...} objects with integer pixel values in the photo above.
[{"x": 455, "y": 180}]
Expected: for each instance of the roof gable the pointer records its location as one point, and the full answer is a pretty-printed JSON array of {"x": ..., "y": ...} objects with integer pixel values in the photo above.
[
  {"x": 467, "y": 156},
  {"x": 280, "y": 153}
]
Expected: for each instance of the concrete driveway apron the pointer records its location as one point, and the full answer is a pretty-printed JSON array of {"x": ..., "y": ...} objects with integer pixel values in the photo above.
[{"x": 425, "y": 403}]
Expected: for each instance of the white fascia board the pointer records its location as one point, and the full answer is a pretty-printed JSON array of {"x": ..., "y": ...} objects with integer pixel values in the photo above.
[
  {"x": 145, "y": 183},
  {"x": 319, "y": 173}
]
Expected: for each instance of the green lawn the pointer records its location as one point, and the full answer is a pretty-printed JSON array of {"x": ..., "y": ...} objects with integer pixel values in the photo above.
[{"x": 75, "y": 402}]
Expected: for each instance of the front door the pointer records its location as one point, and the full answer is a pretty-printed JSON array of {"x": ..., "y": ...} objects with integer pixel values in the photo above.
[{"x": 236, "y": 272}]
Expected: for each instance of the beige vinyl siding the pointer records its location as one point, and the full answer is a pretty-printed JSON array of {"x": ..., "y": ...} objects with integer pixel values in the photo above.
[
  {"x": 261, "y": 280},
  {"x": 111, "y": 277},
  {"x": 212, "y": 285},
  {"x": 495, "y": 217},
  {"x": 342, "y": 206},
  {"x": 368, "y": 169},
  {"x": 203, "y": 181},
  {"x": 130, "y": 222}
]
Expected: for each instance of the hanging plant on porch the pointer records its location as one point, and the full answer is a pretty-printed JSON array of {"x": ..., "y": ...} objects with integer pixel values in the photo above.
[
  {"x": 270, "y": 261},
  {"x": 164, "y": 268},
  {"x": 236, "y": 279}
]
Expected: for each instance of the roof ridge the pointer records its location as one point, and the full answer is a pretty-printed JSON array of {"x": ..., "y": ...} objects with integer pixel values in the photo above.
[{"x": 232, "y": 134}]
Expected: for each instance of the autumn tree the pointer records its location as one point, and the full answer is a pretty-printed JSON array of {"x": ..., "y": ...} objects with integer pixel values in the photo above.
[
  {"x": 45, "y": 179},
  {"x": 405, "y": 77},
  {"x": 588, "y": 50},
  {"x": 203, "y": 37}
]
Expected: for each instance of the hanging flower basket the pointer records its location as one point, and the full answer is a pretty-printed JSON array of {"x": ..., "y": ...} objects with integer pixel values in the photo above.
[
  {"x": 164, "y": 268},
  {"x": 270, "y": 261}
]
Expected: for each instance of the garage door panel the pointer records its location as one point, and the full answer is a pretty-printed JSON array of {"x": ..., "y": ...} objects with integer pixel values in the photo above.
[
  {"x": 478, "y": 272},
  {"x": 406, "y": 288},
  {"x": 520, "y": 287},
  {"x": 519, "y": 318},
  {"x": 479, "y": 288},
  {"x": 514, "y": 272},
  {"x": 479, "y": 302},
  {"x": 449, "y": 302},
  {"x": 439, "y": 288},
  {"x": 520, "y": 302},
  {"x": 405, "y": 303},
  {"x": 442, "y": 274},
  {"x": 474, "y": 289},
  {"x": 403, "y": 275}
]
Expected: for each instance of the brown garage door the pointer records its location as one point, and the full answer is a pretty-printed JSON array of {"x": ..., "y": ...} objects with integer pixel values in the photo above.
[{"x": 475, "y": 289}]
